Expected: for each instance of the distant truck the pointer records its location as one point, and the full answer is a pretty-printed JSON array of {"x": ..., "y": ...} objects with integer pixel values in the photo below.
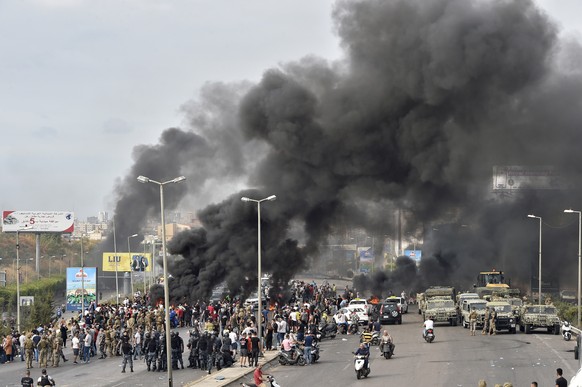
[
  {"x": 505, "y": 320},
  {"x": 435, "y": 292},
  {"x": 569, "y": 296}
]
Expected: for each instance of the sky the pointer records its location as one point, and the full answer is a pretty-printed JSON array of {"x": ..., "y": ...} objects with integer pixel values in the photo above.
[{"x": 83, "y": 82}]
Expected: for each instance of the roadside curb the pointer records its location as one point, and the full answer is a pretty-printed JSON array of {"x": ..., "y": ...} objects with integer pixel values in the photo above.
[{"x": 230, "y": 375}]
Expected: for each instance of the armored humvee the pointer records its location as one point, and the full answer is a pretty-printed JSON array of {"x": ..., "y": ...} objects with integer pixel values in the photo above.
[{"x": 539, "y": 316}]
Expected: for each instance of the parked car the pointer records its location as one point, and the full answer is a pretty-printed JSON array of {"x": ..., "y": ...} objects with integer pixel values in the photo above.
[
  {"x": 390, "y": 312},
  {"x": 361, "y": 303},
  {"x": 360, "y": 312}
]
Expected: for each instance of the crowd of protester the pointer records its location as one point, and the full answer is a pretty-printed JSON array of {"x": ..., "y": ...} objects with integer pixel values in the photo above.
[{"x": 220, "y": 332}]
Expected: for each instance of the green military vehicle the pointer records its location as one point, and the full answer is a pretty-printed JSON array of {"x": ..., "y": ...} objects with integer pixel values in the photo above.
[
  {"x": 539, "y": 316},
  {"x": 516, "y": 304},
  {"x": 505, "y": 320},
  {"x": 441, "y": 310},
  {"x": 435, "y": 292}
]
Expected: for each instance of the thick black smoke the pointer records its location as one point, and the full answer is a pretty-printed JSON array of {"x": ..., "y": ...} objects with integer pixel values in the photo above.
[{"x": 431, "y": 95}]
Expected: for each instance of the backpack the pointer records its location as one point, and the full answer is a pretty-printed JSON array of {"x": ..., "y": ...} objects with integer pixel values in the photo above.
[{"x": 45, "y": 381}]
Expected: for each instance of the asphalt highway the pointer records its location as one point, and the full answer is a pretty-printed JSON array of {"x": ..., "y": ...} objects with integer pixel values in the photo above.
[{"x": 454, "y": 359}]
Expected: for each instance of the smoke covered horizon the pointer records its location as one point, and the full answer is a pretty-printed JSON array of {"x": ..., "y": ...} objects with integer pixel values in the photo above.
[{"x": 430, "y": 96}]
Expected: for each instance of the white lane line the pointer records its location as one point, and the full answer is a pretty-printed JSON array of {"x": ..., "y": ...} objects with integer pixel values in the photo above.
[{"x": 564, "y": 361}]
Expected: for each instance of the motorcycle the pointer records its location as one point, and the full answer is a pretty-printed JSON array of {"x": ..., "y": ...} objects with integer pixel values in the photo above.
[
  {"x": 326, "y": 330},
  {"x": 429, "y": 336},
  {"x": 295, "y": 356},
  {"x": 353, "y": 329},
  {"x": 314, "y": 352},
  {"x": 270, "y": 379},
  {"x": 387, "y": 350},
  {"x": 359, "y": 367},
  {"x": 566, "y": 331}
]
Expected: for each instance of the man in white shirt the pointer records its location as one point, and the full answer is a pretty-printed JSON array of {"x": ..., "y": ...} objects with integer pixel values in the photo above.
[
  {"x": 137, "y": 344},
  {"x": 75, "y": 344},
  {"x": 428, "y": 324},
  {"x": 281, "y": 330},
  {"x": 87, "y": 342}
]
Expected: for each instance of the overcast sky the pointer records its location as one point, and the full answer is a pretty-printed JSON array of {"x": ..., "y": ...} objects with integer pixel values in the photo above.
[{"x": 83, "y": 81}]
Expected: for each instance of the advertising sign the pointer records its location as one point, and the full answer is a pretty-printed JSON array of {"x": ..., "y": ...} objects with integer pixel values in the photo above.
[
  {"x": 515, "y": 177},
  {"x": 414, "y": 254},
  {"x": 78, "y": 280},
  {"x": 26, "y": 300},
  {"x": 38, "y": 221},
  {"x": 137, "y": 262},
  {"x": 366, "y": 260}
]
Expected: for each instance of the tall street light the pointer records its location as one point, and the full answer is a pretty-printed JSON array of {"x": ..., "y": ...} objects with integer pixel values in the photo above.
[
  {"x": 130, "y": 265},
  {"x": 259, "y": 295},
  {"x": 82, "y": 279},
  {"x": 571, "y": 211},
  {"x": 540, "y": 260},
  {"x": 116, "y": 264},
  {"x": 143, "y": 179}
]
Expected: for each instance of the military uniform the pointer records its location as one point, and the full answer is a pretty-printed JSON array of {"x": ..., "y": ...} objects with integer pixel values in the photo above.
[
  {"x": 109, "y": 337},
  {"x": 57, "y": 349},
  {"x": 28, "y": 351},
  {"x": 43, "y": 347},
  {"x": 473, "y": 321},
  {"x": 49, "y": 353},
  {"x": 492, "y": 319},
  {"x": 486, "y": 321}
]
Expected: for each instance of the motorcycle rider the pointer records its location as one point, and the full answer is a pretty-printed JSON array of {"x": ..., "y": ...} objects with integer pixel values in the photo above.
[
  {"x": 366, "y": 336},
  {"x": 386, "y": 339},
  {"x": 428, "y": 324},
  {"x": 376, "y": 326},
  {"x": 354, "y": 320},
  {"x": 259, "y": 376},
  {"x": 364, "y": 351}
]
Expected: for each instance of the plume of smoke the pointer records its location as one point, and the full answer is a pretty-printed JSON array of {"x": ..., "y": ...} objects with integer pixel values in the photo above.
[{"x": 431, "y": 95}]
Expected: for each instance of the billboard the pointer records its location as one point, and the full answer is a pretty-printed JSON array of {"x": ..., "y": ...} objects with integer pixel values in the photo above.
[
  {"x": 26, "y": 300},
  {"x": 137, "y": 262},
  {"x": 414, "y": 254},
  {"x": 366, "y": 259},
  {"x": 38, "y": 221},
  {"x": 514, "y": 177},
  {"x": 77, "y": 280}
]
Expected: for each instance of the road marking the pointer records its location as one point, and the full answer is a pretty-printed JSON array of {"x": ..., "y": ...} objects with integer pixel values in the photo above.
[{"x": 564, "y": 361}]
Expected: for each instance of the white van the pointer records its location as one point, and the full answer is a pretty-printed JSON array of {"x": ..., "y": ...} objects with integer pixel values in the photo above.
[{"x": 401, "y": 301}]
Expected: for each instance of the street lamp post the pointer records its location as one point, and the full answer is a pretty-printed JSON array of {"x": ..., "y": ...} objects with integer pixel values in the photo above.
[
  {"x": 540, "y": 260},
  {"x": 143, "y": 179},
  {"x": 570, "y": 211},
  {"x": 130, "y": 265},
  {"x": 17, "y": 283},
  {"x": 259, "y": 293},
  {"x": 82, "y": 279},
  {"x": 116, "y": 263}
]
